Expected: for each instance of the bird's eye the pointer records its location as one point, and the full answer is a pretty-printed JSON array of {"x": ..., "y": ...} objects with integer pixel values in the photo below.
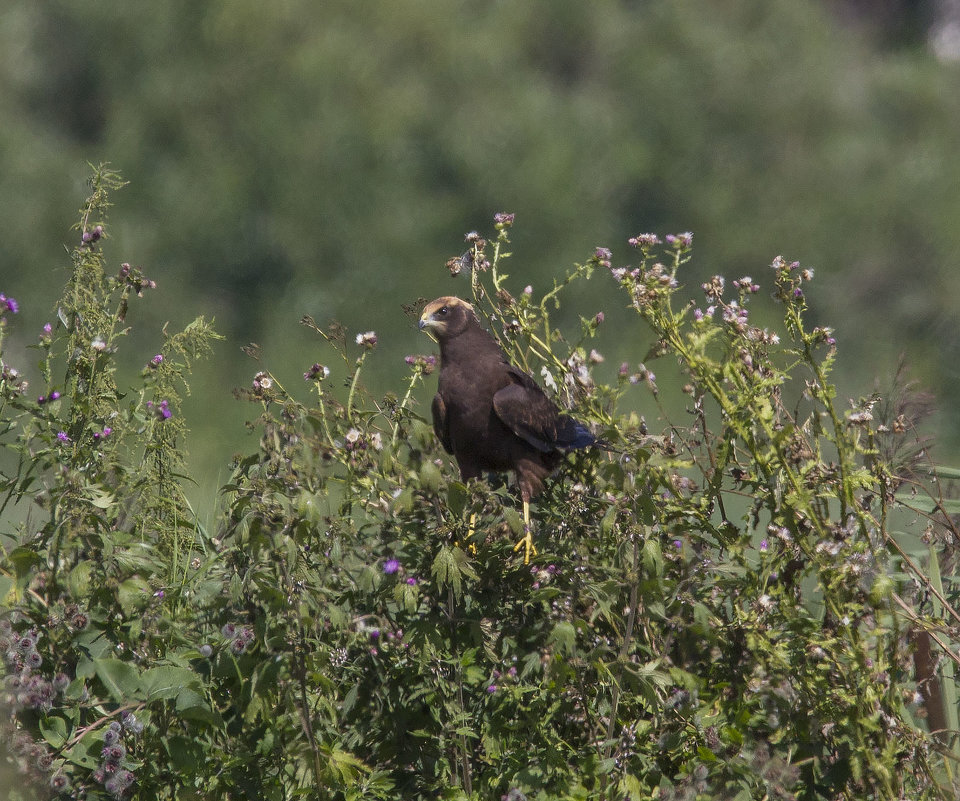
[{"x": 443, "y": 310}]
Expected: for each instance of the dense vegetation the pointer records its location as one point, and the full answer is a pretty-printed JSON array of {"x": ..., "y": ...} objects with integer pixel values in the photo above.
[{"x": 744, "y": 602}]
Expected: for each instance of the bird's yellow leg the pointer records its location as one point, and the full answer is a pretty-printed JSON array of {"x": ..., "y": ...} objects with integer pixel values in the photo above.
[
  {"x": 470, "y": 529},
  {"x": 529, "y": 549}
]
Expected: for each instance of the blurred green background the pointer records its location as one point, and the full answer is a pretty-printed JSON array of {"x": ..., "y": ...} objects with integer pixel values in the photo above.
[{"x": 326, "y": 158}]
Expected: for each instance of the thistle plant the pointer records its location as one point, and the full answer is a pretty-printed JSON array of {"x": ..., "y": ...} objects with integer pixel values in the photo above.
[{"x": 748, "y": 595}]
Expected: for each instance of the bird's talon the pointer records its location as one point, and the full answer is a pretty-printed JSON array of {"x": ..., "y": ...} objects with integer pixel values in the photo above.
[{"x": 529, "y": 549}]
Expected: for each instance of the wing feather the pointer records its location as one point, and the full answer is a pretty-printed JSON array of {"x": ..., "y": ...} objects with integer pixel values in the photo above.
[
  {"x": 441, "y": 424},
  {"x": 531, "y": 415}
]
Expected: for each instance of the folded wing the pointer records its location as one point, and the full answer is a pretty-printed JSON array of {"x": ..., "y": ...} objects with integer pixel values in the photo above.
[{"x": 532, "y": 416}]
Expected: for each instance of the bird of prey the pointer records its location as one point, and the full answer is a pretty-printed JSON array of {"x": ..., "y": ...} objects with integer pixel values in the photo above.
[{"x": 490, "y": 415}]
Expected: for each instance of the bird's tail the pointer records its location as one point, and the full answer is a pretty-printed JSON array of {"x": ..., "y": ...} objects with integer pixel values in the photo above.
[{"x": 573, "y": 435}]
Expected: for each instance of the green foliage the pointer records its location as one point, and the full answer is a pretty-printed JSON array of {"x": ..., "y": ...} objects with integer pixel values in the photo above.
[{"x": 719, "y": 608}]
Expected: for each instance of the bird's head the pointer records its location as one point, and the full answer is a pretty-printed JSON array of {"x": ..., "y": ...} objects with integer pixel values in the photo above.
[{"x": 447, "y": 317}]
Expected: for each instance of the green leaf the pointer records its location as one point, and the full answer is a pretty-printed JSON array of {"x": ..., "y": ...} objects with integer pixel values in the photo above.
[
  {"x": 630, "y": 785},
  {"x": 101, "y": 499},
  {"x": 54, "y": 730},
  {"x": 6, "y": 584},
  {"x": 406, "y": 596},
  {"x": 445, "y": 570},
  {"x": 512, "y": 516},
  {"x": 79, "y": 580},
  {"x": 927, "y": 505},
  {"x": 193, "y": 706},
  {"x": 430, "y": 477},
  {"x": 166, "y": 682},
  {"x": 564, "y": 636},
  {"x": 652, "y": 557},
  {"x": 133, "y": 594},
  {"x": 457, "y": 498},
  {"x": 121, "y": 679}
]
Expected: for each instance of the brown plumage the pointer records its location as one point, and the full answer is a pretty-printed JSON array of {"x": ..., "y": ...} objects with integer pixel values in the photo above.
[{"x": 489, "y": 414}]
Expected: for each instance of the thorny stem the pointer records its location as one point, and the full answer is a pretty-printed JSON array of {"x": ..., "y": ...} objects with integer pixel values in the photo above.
[
  {"x": 417, "y": 375},
  {"x": 353, "y": 385}
]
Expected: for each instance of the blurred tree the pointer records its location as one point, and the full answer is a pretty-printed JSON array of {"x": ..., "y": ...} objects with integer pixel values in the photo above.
[{"x": 295, "y": 158}]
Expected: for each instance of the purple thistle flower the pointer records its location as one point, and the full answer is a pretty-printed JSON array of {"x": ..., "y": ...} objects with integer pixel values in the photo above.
[
  {"x": 412, "y": 581},
  {"x": 492, "y": 689},
  {"x": 8, "y": 304},
  {"x": 391, "y": 566},
  {"x": 62, "y": 436}
]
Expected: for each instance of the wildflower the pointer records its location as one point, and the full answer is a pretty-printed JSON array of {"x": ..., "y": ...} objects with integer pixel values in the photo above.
[
  {"x": 8, "y": 304},
  {"x": 391, "y": 566},
  {"x": 316, "y": 373},
  {"x": 131, "y": 723},
  {"x": 155, "y": 361},
  {"x": 423, "y": 362},
  {"x": 503, "y": 219},
  {"x": 643, "y": 241},
  {"x": 228, "y": 630},
  {"x": 763, "y": 545},
  {"x": 492, "y": 689},
  {"x": 861, "y": 417},
  {"x": 595, "y": 357},
  {"x": 59, "y": 782},
  {"x": 678, "y": 544},
  {"x": 353, "y": 439},
  {"x": 91, "y": 236},
  {"x": 238, "y": 646},
  {"x": 98, "y": 435},
  {"x": 98, "y": 344},
  {"x": 262, "y": 381},
  {"x": 683, "y": 241},
  {"x": 376, "y": 441},
  {"x": 368, "y": 339},
  {"x": 528, "y": 290},
  {"x": 62, "y": 436},
  {"x": 205, "y": 650},
  {"x": 598, "y": 319},
  {"x": 412, "y": 581},
  {"x": 114, "y": 752},
  {"x": 602, "y": 256},
  {"x": 160, "y": 410}
]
